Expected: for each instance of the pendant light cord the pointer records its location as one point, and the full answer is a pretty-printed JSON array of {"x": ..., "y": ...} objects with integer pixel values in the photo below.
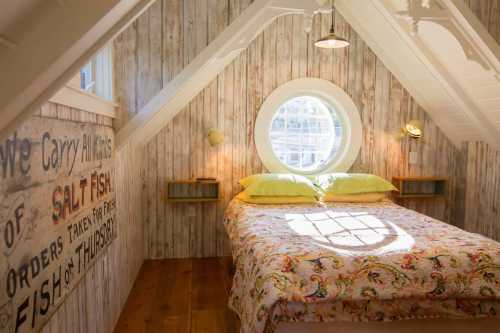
[{"x": 333, "y": 17}]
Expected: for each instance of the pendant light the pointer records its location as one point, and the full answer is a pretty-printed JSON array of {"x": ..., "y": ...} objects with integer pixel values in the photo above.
[{"x": 331, "y": 41}]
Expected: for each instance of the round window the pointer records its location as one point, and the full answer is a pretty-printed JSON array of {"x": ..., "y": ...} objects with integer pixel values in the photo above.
[
  {"x": 305, "y": 133},
  {"x": 308, "y": 126}
]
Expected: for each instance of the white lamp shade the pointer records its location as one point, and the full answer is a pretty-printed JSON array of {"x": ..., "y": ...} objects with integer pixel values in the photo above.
[{"x": 332, "y": 41}]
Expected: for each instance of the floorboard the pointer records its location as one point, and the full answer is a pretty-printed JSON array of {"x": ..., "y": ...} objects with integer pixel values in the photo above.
[{"x": 180, "y": 295}]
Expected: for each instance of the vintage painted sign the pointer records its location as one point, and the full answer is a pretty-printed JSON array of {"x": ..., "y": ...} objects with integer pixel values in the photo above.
[{"x": 57, "y": 215}]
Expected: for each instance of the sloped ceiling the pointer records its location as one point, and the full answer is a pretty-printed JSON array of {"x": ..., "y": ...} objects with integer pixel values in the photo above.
[
  {"x": 442, "y": 54},
  {"x": 437, "y": 49},
  {"x": 43, "y": 43},
  {"x": 175, "y": 95},
  {"x": 14, "y": 14}
]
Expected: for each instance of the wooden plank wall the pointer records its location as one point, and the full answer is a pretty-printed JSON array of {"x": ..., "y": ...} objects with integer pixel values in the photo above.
[
  {"x": 170, "y": 34},
  {"x": 481, "y": 189},
  {"x": 488, "y": 12},
  {"x": 478, "y": 190},
  {"x": 157, "y": 46},
  {"x": 281, "y": 53},
  {"x": 95, "y": 304}
]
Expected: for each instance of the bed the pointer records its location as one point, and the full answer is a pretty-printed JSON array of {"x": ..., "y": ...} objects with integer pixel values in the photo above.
[{"x": 372, "y": 267}]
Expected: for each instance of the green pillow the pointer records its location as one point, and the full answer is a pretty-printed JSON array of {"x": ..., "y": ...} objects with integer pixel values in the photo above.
[
  {"x": 352, "y": 183},
  {"x": 247, "y": 181},
  {"x": 279, "y": 185}
]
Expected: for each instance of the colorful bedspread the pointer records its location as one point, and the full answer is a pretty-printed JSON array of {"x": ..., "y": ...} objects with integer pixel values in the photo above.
[{"x": 356, "y": 262}]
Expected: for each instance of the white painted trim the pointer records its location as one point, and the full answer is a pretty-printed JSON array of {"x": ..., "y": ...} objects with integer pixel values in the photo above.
[
  {"x": 419, "y": 72},
  {"x": 75, "y": 82},
  {"x": 206, "y": 66},
  {"x": 352, "y": 130},
  {"x": 33, "y": 72},
  {"x": 398, "y": 60},
  {"x": 482, "y": 41},
  {"x": 80, "y": 99}
]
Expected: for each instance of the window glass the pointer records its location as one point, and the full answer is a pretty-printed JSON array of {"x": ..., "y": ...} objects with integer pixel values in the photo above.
[
  {"x": 305, "y": 133},
  {"x": 86, "y": 82},
  {"x": 97, "y": 75},
  {"x": 308, "y": 126}
]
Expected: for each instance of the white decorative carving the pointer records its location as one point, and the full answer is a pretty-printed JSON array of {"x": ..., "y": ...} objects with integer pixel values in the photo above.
[{"x": 434, "y": 11}]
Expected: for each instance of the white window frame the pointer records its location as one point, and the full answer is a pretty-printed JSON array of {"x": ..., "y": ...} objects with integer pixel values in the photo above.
[
  {"x": 98, "y": 98},
  {"x": 332, "y": 95}
]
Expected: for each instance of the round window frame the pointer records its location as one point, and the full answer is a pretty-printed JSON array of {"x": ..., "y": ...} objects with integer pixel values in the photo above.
[{"x": 331, "y": 94}]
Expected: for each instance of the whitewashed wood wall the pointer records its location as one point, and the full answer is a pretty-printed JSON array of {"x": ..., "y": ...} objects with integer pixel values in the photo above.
[
  {"x": 488, "y": 12},
  {"x": 169, "y": 35},
  {"x": 478, "y": 193},
  {"x": 95, "y": 304},
  {"x": 231, "y": 102},
  {"x": 161, "y": 42}
]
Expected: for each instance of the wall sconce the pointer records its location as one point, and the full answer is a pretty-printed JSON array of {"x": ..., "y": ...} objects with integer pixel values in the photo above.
[
  {"x": 215, "y": 137},
  {"x": 413, "y": 129}
]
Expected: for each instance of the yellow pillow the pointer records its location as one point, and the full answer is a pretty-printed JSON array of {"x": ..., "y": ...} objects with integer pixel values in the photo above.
[
  {"x": 279, "y": 185},
  {"x": 352, "y": 183},
  {"x": 360, "y": 197},
  {"x": 247, "y": 181},
  {"x": 245, "y": 197}
]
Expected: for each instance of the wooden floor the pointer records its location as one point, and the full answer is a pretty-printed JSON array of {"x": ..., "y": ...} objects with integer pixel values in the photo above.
[{"x": 181, "y": 296}]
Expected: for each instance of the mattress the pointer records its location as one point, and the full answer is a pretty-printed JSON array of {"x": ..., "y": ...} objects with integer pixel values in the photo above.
[{"x": 356, "y": 262}]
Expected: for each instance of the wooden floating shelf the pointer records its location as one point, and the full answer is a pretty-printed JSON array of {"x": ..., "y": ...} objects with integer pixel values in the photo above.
[
  {"x": 420, "y": 187},
  {"x": 192, "y": 191}
]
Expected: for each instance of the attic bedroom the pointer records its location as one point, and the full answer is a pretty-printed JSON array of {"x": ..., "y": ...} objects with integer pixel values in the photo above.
[{"x": 250, "y": 166}]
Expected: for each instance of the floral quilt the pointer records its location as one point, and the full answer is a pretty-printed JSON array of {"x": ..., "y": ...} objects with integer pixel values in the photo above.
[{"x": 356, "y": 262}]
